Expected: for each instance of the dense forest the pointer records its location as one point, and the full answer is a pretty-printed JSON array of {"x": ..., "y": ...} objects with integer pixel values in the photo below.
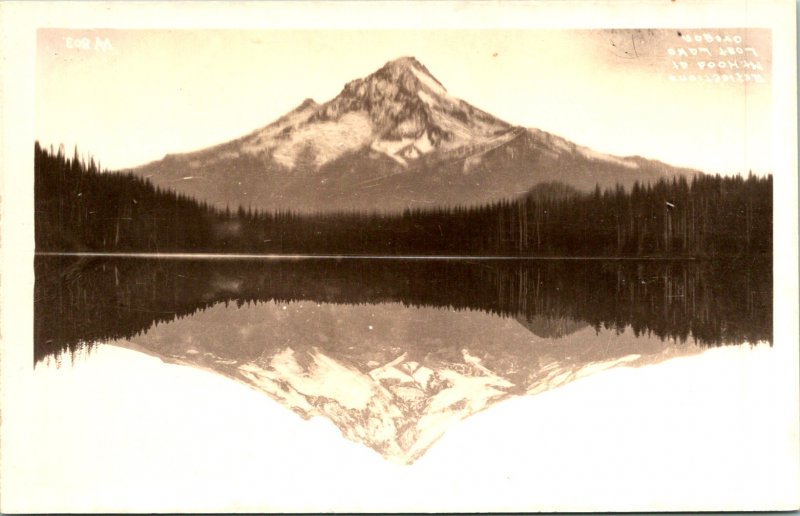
[
  {"x": 81, "y": 208},
  {"x": 80, "y": 301}
]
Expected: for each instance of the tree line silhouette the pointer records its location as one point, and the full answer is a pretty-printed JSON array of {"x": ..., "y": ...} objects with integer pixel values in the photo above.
[
  {"x": 81, "y": 208},
  {"x": 80, "y": 301}
]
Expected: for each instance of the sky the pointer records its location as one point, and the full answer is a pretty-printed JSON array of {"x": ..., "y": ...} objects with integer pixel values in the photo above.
[{"x": 129, "y": 97}]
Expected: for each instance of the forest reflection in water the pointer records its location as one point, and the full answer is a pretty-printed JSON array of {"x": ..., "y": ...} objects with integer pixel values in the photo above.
[{"x": 394, "y": 351}]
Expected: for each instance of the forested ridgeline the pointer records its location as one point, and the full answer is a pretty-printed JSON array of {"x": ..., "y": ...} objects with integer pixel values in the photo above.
[
  {"x": 78, "y": 207},
  {"x": 82, "y": 301}
]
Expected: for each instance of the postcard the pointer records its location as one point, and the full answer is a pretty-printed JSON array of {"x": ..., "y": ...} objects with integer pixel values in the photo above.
[{"x": 399, "y": 257}]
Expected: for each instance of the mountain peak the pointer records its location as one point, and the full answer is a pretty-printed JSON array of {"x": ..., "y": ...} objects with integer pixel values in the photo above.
[
  {"x": 412, "y": 74},
  {"x": 404, "y": 61},
  {"x": 405, "y": 103},
  {"x": 410, "y": 64},
  {"x": 403, "y": 80}
]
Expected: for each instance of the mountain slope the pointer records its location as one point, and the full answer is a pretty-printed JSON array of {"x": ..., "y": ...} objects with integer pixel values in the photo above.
[{"x": 395, "y": 139}]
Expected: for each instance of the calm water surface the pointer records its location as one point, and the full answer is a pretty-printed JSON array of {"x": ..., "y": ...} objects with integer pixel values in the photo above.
[{"x": 393, "y": 353}]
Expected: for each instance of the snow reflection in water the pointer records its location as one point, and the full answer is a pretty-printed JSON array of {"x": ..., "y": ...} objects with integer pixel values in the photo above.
[{"x": 392, "y": 377}]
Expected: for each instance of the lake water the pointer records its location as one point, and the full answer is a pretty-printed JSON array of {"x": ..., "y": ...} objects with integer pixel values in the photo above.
[{"x": 312, "y": 364}]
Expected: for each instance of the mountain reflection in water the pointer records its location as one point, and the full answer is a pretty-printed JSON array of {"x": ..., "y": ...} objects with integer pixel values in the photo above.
[{"x": 393, "y": 352}]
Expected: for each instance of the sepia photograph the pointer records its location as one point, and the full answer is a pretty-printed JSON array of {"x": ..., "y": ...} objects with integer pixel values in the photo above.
[{"x": 516, "y": 257}]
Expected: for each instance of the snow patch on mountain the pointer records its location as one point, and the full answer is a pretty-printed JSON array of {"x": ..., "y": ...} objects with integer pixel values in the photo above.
[
  {"x": 465, "y": 134},
  {"x": 428, "y": 81},
  {"x": 423, "y": 144},
  {"x": 403, "y": 149},
  {"x": 392, "y": 148},
  {"x": 263, "y": 140},
  {"x": 316, "y": 144},
  {"x": 599, "y": 156},
  {"x": 428, "y": 99},
  {"x": 562, "y": 146}
]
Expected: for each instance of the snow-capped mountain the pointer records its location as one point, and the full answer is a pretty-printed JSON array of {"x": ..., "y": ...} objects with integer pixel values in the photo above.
[
  {"x": 394, "y": 139},
  {"x": 388, "y": 376},
  {"x": 400, "y": 111}
]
